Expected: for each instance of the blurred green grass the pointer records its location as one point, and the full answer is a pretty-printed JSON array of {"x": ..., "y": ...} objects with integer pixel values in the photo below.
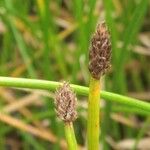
[{"x": 50, "y": 40}]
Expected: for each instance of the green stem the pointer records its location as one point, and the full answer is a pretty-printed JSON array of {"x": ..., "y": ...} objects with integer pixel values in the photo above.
[
  {"x": 93, "y": 115},
  {"x": 51, "y": 85},
  {"x": 70, "y": 136}
]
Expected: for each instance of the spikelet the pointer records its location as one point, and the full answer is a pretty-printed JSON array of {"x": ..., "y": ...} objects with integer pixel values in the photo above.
[
  {"x": 100, "y": 52},
  {"x": 65, "y": 102}
]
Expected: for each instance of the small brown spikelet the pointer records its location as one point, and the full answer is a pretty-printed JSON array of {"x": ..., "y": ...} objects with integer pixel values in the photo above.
[
  {"x": 65, "y": 102},
  {"x": 100, "y": 52}
]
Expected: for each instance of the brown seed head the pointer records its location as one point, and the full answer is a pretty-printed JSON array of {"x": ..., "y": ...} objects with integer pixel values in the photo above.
[
  {"x": 65, "y": 101},
  {"x": 100, "y": 52}
]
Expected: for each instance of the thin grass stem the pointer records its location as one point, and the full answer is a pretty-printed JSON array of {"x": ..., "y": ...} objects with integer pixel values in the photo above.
[
  {"x": 70, "y": 136},
  {"x": 80, "y": 90}
]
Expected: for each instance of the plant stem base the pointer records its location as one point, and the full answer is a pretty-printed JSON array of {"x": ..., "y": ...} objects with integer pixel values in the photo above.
[
  {"x": 70, "y": 136},
  {"x": 93, "y": 114}
]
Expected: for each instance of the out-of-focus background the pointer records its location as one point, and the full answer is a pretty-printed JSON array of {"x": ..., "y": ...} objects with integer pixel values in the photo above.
[{"x": 47, "y": 39}]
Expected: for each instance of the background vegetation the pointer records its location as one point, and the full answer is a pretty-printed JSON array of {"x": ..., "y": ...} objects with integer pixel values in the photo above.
[{"x": 50, "y": 40}]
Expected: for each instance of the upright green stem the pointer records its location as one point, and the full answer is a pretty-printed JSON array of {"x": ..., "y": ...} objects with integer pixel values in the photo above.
[
  {"x": 93, "y": 114},
  {"x": 70, "y": 136}
]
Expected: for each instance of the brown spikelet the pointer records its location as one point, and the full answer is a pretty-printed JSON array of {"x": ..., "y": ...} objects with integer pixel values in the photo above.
[
  {"x": 100, "y": 52},
  {"x": 65, "y": 102}
]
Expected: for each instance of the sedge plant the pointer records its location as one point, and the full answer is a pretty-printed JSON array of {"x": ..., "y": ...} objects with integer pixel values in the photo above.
[
  {"x": 65, "y": 99},
  {"x": 65, "y": 102},
  {"x": 99, "y": 63},
  {"x": 133, "y": 22},
  {"x": 137, "y": 105}
]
